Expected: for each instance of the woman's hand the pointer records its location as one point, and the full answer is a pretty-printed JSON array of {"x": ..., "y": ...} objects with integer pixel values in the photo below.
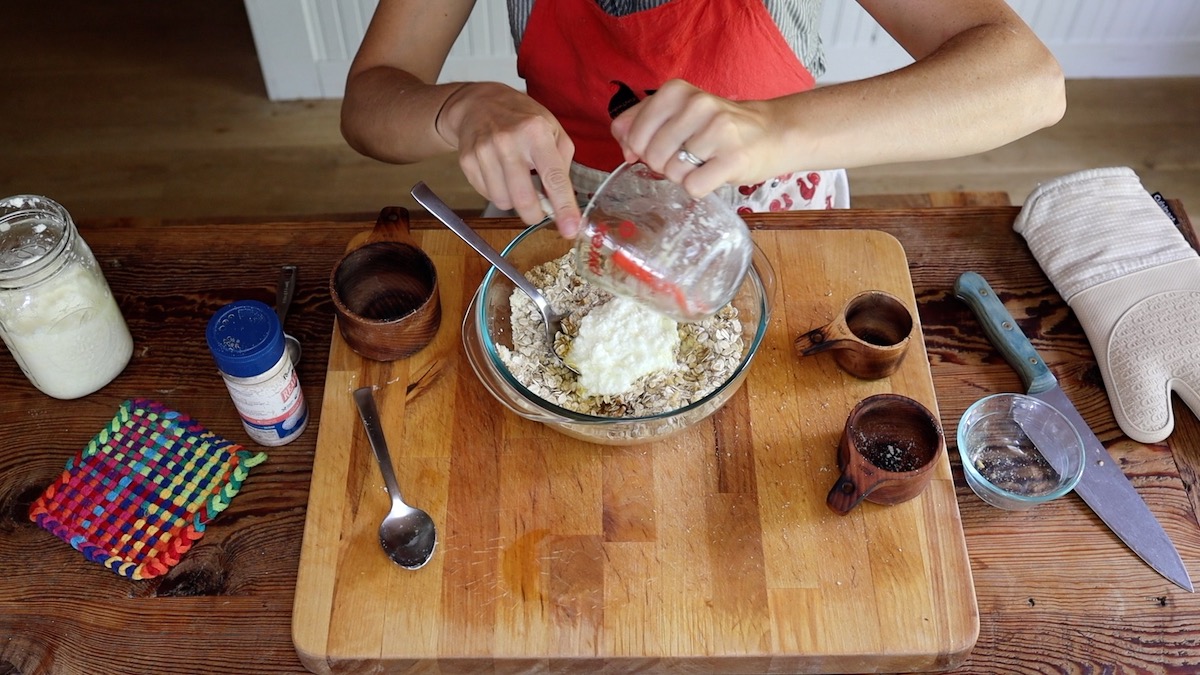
[
  {"x": 732, "y": 139},
  {"x": 980, "y": 78},
  {"x": 502, "y": 137},
  {"x": 395, "y": 111}
]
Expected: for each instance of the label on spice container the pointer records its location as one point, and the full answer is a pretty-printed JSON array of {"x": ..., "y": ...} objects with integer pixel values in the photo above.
[{"x": 273, "y": 411}]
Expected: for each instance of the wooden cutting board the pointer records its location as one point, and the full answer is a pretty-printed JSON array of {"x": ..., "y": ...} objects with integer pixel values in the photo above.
[{"x": 711, "y": 551}]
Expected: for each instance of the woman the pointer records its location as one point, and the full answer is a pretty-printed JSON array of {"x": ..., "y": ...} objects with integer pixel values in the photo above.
[{"x": 707, "y": 92}]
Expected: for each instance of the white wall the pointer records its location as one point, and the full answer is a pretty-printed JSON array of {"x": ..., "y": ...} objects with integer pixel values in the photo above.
[
  {"x": 305, "y": 46},
  {"x": 1090, "y": 38}
]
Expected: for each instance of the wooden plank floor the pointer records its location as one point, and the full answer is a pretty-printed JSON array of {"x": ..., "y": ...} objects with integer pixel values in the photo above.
[{"x": 138, "y": 108}]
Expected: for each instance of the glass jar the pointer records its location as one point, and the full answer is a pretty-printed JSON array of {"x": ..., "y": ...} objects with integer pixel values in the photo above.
[{"x": 57, "y": 314}]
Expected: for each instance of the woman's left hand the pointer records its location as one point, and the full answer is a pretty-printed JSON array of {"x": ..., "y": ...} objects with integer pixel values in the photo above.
[{"x": 697, "y": 139}]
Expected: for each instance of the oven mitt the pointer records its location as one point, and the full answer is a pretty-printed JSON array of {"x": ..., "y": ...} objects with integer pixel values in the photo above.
[{"x": 1134, "y": 283}]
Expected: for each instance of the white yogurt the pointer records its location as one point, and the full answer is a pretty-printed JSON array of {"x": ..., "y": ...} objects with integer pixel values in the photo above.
[
  {"x": 620, "y": 342},
  {"x": 72, "y": 340}
]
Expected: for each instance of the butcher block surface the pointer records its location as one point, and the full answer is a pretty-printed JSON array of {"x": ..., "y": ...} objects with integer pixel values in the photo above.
[{"x": 710, "y": 551}]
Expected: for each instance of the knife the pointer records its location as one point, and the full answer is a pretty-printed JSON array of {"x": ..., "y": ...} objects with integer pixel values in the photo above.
[{"x": 1104, "y": 487}]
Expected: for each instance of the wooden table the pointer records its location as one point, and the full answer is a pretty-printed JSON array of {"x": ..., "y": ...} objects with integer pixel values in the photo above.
[{"x": 1056, "y": 590}]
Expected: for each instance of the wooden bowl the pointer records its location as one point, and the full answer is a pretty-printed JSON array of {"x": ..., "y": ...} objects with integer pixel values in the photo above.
[
  {"x": 385, "y": 292},
  {"x": 887, "y": 452},
  {"x": 868, "y": 338}
]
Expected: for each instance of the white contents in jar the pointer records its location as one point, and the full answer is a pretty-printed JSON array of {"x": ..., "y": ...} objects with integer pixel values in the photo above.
[
  {"x": 620, "y": 342},
  {"x": 72, "y": 341}
]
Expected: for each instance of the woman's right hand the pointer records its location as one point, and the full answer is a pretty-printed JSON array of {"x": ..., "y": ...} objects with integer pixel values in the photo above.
[
  {"x": 503, "y": 137},
  {"x": 395, "y": 111}
]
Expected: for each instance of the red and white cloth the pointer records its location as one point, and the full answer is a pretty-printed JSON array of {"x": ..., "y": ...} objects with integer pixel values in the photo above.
[{"x": 586, "y": 66}]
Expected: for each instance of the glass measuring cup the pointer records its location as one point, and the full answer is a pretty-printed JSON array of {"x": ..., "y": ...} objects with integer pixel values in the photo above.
[{"x": 645, "y": 238}]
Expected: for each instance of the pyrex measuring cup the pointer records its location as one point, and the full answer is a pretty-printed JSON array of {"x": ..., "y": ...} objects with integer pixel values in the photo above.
[{"x": 644, "y": 237}]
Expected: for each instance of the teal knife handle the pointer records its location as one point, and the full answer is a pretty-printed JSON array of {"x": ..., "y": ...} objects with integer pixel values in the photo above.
[{"x": 1004, "y": 333}]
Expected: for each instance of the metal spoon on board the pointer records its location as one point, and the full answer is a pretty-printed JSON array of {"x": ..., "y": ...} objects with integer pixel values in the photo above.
[
  {"x": 284, "y": 292},
  {"x": 407, "y": 534},
  {"x": 551, "y": 320}
]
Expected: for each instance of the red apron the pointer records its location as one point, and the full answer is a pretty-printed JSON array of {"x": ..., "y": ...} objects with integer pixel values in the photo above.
[{"x": 585, "y": 66}]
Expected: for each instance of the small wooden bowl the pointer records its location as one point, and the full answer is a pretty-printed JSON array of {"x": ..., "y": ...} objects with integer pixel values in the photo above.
[
  {"x": 887, "y": 452},
  {"x": 385, "y": 292},
  {"x": 869, "y": 337}
]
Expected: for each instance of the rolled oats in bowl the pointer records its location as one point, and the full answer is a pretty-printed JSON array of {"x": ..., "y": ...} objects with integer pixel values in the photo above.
[{"x": 706, "y": 354}]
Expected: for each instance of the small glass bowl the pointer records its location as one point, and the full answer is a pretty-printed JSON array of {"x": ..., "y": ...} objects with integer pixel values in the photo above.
[
  {"x": 1001, "y": 440},
  {"x": 487, "y": 323}
]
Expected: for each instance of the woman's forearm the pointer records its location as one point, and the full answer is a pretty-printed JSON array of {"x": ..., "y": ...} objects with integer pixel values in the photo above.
[
  {"x": 391, "y": 115},
  {"x": 959, "y": 100}
]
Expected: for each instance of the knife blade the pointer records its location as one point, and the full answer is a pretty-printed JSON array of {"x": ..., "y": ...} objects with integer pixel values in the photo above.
[{"x": 1104, "y": 486}]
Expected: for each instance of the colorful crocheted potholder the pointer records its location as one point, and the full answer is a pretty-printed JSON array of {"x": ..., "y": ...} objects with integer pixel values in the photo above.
[{"x": 143, "y": 490}]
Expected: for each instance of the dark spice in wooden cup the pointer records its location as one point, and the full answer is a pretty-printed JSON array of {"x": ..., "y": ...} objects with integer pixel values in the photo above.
[{"x": 887, "y": 452}]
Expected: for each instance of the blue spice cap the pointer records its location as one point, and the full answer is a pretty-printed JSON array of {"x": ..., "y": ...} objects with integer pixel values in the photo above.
[{"x": 245, "y": 338}]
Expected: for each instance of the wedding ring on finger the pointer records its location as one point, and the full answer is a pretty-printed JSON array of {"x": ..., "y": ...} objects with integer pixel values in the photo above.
[{"x": 685, "y": 156}]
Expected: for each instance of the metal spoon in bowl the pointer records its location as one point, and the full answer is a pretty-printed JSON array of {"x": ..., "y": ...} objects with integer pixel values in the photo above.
[
  {"x": 551, "y": 320},
  {"x": 283, "y": 300},
  {"x": 407, "y": 534}
]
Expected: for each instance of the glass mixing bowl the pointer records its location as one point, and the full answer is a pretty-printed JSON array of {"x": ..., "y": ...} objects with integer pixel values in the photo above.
[{"x": 487, "y": 323}]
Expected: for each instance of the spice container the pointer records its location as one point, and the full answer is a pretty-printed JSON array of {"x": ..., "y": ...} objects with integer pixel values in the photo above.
[
  {"x": 57, "y": 313},
  {"x": 247, "y": 343}
]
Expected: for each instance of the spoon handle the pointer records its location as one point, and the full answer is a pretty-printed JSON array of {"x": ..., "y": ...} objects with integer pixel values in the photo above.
[
  {"x": 450, "y": 219},
  {"x": 285, "y": 291},
  {"x": 369, "y": 412}
]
